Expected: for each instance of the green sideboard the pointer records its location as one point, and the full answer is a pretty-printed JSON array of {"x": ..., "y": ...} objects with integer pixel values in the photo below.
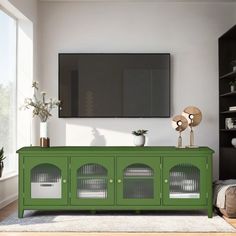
[{"x": 115, "y": 178}]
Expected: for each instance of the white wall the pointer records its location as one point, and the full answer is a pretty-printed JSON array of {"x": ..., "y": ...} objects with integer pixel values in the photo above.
[
  {"x": 9, "y": 188},
  {"x": 189, "y": 31},
  {"x": 28, "y": 8}
]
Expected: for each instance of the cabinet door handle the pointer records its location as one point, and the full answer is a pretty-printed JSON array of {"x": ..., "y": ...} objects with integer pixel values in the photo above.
[
  {"x": 119, "y": 181},
  {"x": 166, "y": 181},
  {"x": 46, "y": 185},
  {"x": 64, "y": 181},
  {"x": 111, "y": 181}
]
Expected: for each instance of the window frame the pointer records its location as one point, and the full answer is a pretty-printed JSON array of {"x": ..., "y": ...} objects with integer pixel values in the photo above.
[{"x": 13, "y": 167}]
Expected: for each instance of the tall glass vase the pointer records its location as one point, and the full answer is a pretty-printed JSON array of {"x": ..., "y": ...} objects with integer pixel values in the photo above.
[{"x": 44, "y": 140}]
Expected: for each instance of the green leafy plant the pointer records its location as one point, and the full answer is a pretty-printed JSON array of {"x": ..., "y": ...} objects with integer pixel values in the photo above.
[
  {"x": 233, "y": 63},
  {"x": 139, "y": 132},
  {"x": 39, "y": 105},
  {"x": 232, "y": 82},
  {"x": 2, "y": 157}
]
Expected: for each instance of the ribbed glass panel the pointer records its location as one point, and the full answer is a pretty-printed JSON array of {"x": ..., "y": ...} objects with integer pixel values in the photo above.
[
  {"x": 138, "y": 188},
  {"x": 184, "y": 181},
  {"x": 45, "y": 173},
  {"x": 92, "y": 182},
  {"x": 138, "y": 182},
  {"x": 92, "y": 170},
  {"x": 138, "y": 170},
  {"x": 92, "y": 188}
]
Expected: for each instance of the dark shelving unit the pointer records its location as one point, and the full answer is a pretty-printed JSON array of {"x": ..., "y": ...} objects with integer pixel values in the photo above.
[
  {"x": 228, "y": 112},
  {"x": 228, "y": 94},
  {"x": 229, "y": 75},
  {"x": 228, "y": 130},
  {"x": 227, "y": 53}
]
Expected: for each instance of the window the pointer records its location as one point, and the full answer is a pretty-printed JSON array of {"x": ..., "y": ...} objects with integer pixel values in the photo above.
[{"x": 8, "y": 40}]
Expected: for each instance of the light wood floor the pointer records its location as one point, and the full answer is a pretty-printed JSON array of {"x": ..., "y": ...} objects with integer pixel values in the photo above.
[
  {"x": 5, "y": 212},
  {"x": 231, "y": 221}
]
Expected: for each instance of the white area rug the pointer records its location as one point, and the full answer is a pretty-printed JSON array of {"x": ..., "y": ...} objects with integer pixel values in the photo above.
[{"x": 116, "y": 222}]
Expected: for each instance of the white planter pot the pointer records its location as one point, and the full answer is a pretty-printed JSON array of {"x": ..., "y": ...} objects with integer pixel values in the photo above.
[
  {"x": 139, "y": 140},
  {"x": 232, "y": 88},
  {"x": 43, "y": 129},
  {"x": 233, "y": 141},
  {"x": 44, "y": 140}
]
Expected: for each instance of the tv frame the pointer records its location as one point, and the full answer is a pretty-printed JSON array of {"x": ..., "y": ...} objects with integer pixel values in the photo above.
[{"x": 169, "y": 110}]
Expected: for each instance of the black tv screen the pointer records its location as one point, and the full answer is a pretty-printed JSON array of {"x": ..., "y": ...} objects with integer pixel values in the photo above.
[{"x": 114, "y": 85}]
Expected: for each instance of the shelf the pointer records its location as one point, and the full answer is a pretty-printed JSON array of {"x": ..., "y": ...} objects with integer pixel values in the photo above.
[
  {"x": 228, "y": 94},
  {"x": 229, "y": 75},
  {"x": 185, "y": 195},
  {"x": 231, "y": 148},
  {"x": 92, "y": 177},
  {"x": 87, "y": 193},
  {"x": 228, "y": 112},
  {"x": 138, "y": 177},
  {"x": 228, "y": 130}
]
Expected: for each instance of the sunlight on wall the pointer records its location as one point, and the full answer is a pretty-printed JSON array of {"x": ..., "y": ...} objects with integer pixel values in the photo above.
[
  {"x": 85, "y": 136},
  {"x": 24, "y": 72},
  {"x": 24, "y": 79}
]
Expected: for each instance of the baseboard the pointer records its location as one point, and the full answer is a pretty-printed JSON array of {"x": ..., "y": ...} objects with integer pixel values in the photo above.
[{"x": 8, "y": 200}]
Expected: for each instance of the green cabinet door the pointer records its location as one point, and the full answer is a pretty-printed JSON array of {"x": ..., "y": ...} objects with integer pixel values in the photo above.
[
  {"x": 45, "y": 180},
  {"x": 92, "y": 180},
  {"x": 184, "y": 180},
  {"x": 138, "y": 180}
]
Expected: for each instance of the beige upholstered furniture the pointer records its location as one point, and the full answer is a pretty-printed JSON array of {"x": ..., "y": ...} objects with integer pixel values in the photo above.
[{"x": 225, "y": 197}]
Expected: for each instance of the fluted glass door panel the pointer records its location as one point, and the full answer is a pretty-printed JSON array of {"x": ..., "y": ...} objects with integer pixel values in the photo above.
[
  {"x": 92, "y": 182},
  {"x": 184, "y": 182},
  {"x": 138, "y": 182},
  {"x": 46, "y": 182}
]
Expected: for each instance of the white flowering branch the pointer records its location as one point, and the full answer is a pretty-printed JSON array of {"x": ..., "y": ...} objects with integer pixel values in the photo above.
[{"x": 40, "y": 106}]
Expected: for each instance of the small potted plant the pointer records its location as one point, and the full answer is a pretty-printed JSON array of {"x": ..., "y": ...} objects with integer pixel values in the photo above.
[
  {"x": 232, "y": 85},
  {"x": 1, "y": 161},
  {"x": 233, "y": 63},
  {"x": 139, "y": 137}
]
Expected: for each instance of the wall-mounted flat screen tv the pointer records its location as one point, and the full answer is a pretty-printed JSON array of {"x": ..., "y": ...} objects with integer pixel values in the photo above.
[{"x": 114, "y": 85}]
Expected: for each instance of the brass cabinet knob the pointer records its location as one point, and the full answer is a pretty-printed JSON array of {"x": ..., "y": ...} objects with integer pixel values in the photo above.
[
  {"x": 119, "y": 181},
  {"x": 64, "y": 181},
  {"x": 111, "y": 181},
  {"x": 166, "y": 181}
]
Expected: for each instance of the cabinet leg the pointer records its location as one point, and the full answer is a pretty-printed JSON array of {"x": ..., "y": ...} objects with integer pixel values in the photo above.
[
  {"x": 210, "y": 212},
  {"x": 20, "y": 213}
]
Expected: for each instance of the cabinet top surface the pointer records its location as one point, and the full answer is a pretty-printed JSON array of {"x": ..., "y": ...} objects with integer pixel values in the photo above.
[{"x": 70, "y": 149}]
